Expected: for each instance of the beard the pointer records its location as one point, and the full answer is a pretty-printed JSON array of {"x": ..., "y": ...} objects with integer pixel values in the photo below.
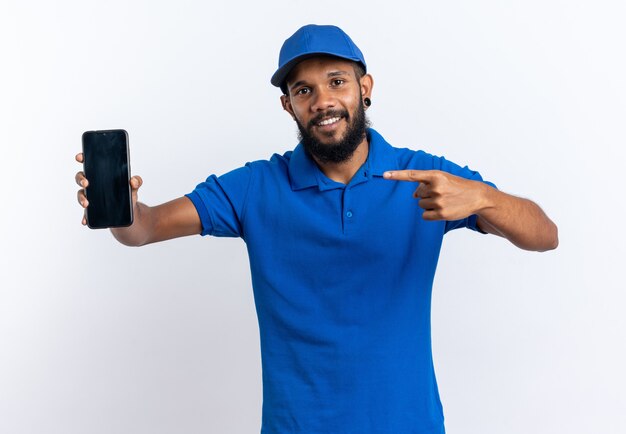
[{"x": 341, "y": 150}]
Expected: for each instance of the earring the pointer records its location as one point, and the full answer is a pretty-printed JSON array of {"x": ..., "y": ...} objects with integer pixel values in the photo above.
[{"x": 367, "y": 102}]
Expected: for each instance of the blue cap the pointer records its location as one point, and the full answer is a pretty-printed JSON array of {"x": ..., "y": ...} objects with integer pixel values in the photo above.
[{"x": 312, "y": 40}]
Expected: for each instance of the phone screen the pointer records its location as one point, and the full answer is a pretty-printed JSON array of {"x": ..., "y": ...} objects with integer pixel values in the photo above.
[{"x": 107, "y": 168}]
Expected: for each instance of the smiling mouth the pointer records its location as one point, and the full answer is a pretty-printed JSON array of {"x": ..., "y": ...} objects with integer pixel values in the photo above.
[{"x": 329, "y": 121}]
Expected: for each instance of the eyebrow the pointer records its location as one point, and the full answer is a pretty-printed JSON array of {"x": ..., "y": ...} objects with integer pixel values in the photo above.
[{"x": 329, "y": 75}]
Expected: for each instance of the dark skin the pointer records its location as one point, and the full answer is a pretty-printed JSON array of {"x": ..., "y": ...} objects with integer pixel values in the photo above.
[
  {"x": 177, "y": 218},
  {"x": 448, "y": 197},
  {"x": 322, "y": 83},
  {"x": 325, "y": 83}
]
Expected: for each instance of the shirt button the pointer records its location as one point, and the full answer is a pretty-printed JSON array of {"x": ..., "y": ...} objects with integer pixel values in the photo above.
[{"x": 349, "y": 214}]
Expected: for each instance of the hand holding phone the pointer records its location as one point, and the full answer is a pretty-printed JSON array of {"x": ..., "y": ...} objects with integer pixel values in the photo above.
[
  {"x": 107, "y": 195},
  {"x": 135, "y": 182}
]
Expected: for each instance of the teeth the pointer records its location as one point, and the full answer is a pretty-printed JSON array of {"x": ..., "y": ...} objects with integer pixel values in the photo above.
[{"x": 329, "y": 121}]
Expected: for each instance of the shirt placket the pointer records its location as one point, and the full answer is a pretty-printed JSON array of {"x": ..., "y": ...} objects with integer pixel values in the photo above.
[{"x": 347, "y": 211}]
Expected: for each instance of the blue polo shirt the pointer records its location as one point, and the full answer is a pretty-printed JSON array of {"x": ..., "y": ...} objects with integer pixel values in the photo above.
[{"x": 342, "y": 278}]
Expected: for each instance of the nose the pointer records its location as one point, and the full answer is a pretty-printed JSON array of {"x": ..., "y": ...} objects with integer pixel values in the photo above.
[{"x": 322, "y": 100}]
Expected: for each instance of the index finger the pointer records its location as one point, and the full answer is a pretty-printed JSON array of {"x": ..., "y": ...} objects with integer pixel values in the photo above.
[
  {"x": 79, "y": 157},
  {"x": 409, "y": 175}
]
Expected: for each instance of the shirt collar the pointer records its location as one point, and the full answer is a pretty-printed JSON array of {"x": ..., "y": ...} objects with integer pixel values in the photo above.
[{"x": 304, "y": 173}]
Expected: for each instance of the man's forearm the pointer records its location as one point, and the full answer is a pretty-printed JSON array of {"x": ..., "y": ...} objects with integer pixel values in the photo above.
[
  {"x": 139, "y": 232},
  {"x": 519, "y": 220}
]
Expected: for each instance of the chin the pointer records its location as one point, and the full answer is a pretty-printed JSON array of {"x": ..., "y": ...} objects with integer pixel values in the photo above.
[{"x": 331, "y": 139}]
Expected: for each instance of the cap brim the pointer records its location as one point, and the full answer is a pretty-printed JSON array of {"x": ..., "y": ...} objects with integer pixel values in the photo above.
[{"x": 281, "y": 74}]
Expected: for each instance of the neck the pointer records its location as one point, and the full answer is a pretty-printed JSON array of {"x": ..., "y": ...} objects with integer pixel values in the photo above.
[{"x": 344, "y": 171}]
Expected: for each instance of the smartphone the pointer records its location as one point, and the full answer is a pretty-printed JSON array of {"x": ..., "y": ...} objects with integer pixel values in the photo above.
[{"x": 106, "y": 165}]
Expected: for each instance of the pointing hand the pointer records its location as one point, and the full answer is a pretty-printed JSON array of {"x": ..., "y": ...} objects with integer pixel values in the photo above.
[{"x": 443, "y": 196}]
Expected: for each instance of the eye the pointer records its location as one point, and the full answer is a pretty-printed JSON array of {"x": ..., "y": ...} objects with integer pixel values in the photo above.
[
  {"x": 338, "y": 82},
  {"x": 303, "y": 91}
]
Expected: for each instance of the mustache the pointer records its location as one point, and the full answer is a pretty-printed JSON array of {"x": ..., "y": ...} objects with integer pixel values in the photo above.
[{"x": 329, "y": 114}]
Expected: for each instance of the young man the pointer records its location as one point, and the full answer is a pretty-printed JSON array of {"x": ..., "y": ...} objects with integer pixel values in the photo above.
[{"x": 343, "y": 234}]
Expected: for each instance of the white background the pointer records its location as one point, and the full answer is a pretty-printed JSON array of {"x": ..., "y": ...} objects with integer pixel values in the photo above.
[{"x": 96, "y": 337}]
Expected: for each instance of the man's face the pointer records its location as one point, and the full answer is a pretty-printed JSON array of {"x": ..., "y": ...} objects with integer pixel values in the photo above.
[{"x": 326, "y": 101}]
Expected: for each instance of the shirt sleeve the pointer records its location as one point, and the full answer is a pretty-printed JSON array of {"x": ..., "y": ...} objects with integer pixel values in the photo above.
[
  {"x": 464, "y": 172},
  {"x": 221, "y": 202}
]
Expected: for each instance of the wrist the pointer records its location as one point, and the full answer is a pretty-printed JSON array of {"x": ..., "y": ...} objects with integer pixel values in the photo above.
[{"x": 486, "y": 198}]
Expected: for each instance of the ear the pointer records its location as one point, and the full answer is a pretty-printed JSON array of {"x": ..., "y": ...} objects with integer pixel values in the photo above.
[
  {"x": 367, "y": 84},
  {"x": 286, "y": 103}
]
